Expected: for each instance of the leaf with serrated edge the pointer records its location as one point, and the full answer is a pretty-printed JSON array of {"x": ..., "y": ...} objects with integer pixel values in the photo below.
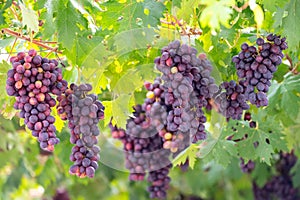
[{"x": 189, "y": 153}]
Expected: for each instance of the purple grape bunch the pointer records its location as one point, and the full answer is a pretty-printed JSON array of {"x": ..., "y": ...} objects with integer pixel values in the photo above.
[
  {"x": 32, "y": 81},
  {"x": 144, "y": 152},
  {"x": 187, "y": 83},
  {"x": 256, "y": 66},
  {"x": 83, "y": 112},
  {"x": 281, "y": 185}
]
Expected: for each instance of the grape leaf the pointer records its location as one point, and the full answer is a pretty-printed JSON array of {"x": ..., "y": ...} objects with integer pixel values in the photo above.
[
  {"x": 134, "y": 39},
  {"x": 119, "y": 109},
  {"x": 4, "y": 67},
  {"x": 187, "y": 9},
  {"x": 134, "y": 14},
  {"x": 7, "y": 5},
  {"x": 67, "y": 21},
  {"x": 128, "y": 83},
  {"x": 216, "y": 13},
  {"x": 51, "y": 6},
  {"x": 59, "y": 123},
  {"x": 290, "y": 29},
  {"x": 281, "y": 94},
  {"x": 273, "y": 5},
  {"x": 29, "y": 18},
  {"x": 218, "y": 149},
  {"x": 269, "y": 138},
  {"x": 133, "y": 79},
  {"x": 88, "y": 52},
  {"x": 189, "y": 153}
]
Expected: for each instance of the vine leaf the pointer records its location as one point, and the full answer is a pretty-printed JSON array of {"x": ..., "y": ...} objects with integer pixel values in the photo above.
[
  {"x": 50, "y": 5},
  {"x": 3, "y": 8},
  {"x": 290, "y": 29},
  {"x": 67, "y": 20},
  {"x": 189, "y": 153},
  {"x": 281, "y": 94},
  {"x": 260, "y": 142},
  {"x": 59, "y": 123},
  {"x": 219, "y": 149},
  {"x": 216, "y": 13},
  {"x": 29, "y": 18},
  {"x": 133, "y": 14},
  {"x": 118, "y": 109}
]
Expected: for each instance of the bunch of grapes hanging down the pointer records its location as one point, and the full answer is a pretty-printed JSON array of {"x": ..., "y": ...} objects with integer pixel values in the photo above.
[
  {"x": 280, "y": 186},
  {"x": 256, "y": 66},
  {"x": 83, "y": 112},
  {"x": 144, "y": 153},
  {"x": 32, "y": 81},
  {"x": 187, "y": 84}
]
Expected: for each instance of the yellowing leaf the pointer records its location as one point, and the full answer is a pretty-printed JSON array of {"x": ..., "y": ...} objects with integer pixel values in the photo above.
[
  {"x": 59, "y": 123},
  {"x": 258, "y": 16}
]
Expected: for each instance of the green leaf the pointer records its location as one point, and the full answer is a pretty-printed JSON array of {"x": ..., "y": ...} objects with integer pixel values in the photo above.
[
  {"x": 88, "y": 52},
  {"x": 269, "y": 138},
  {"x": 68, "y": 21},
  {"x": 290, "y": 29},
  {"x": 51, "y": 6},
  {"x": 7, "y": 5},
  {"x": 189, "y": 154},
  {"x": 29, "y": 18},
  {"x": 218, "y": 149},
  {"x": 134, "y": 14},
  {"x": 119, "y": 109},
  {"x": 273, "y": 5},
  {"x": 128, "y": 83},
  {"x": 134, "y": 39},
  {"x": 282, "y": 94},
  {"x": 216, "y": 13},
  {"x": 187, "y": 9}
]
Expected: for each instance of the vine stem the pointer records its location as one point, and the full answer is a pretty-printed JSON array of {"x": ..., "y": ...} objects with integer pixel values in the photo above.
[
  {"x": 292, "y": 68},
  {"x": 39, "y": 43}
]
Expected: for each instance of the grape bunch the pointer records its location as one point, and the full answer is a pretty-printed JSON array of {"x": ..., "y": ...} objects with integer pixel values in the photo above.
[
  {"x": 143, "y": 145},
  {"x": 256, "y": 66},
  {"x": 187, "y": 84},
  {"x": 160, "y": 181},
  {"x": 83, "y": 112},
  {"x": 144, "y": 153},
  {"x": 280, "y": 186},
  {"x": 232, "y": 102},
  {"x": 32, "y": 81}
]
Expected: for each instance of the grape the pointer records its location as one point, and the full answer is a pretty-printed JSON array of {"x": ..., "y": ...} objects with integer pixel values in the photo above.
[
  {"x": 263, "y": 64},
  {"x": 144, "y": 151},
  {"x": 27, "y": 82},
  {"x": 247, "y": 167},
  {"x": 232, "y": 101},
  {"x": 83, "y": 112},
  {"x": 186, "y": 78},
  {"x": 279, "y": 186}
]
